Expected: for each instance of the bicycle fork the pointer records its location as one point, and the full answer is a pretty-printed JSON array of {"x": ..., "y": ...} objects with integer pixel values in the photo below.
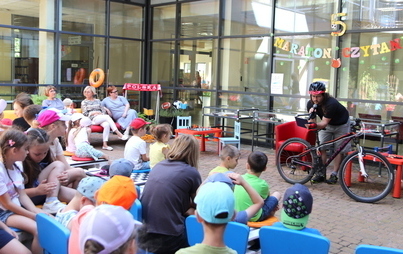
[{"x": 361, "y": 162}]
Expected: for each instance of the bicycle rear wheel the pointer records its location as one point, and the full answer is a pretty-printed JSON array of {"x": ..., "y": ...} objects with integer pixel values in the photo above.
[
  {"x": 295, "y": 168},
  {"x": 369, "y": 189}
]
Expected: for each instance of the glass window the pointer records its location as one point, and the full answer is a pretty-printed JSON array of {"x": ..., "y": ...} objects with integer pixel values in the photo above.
[
  {"x": 84, "y": 16},
  {"x": 298, "y": 61},
  {"x": 84, "y": 55},
  {"x": 164, "y": 22},
  {"x": 372, "y": 70},
  {"x": 199, "y": 19},
  {"x": 245, "y": 64},
  {"x": 34, "y": 13},
  {"x": 247, "y": 17},
  {"x": 126, "y": 20},
  {"x": 124, "y": 62},
  {"x": 162, "y": 63},
  {"x": 20, "y": 60},
  {"x": 373, "y": 14},
  {"x": 304, "y": 16}
]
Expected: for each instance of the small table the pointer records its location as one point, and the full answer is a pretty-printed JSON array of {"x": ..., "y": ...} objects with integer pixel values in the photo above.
[{"x": 202, "y": 131}]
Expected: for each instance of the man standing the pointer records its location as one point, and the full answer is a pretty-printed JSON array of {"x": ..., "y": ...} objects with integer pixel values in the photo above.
[{"x": 335, "y": 118}]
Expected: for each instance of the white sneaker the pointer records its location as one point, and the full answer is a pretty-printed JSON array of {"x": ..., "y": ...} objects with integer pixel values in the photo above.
[
  {"x": 53, "y": 207},
  {"x": 125, "y": 137}
]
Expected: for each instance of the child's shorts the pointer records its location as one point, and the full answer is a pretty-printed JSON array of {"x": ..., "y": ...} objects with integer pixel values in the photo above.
[
  {"x": 4, "y": 214},
  {"x": 270, "y": 203},
  {"x": 5, "y": 238}
]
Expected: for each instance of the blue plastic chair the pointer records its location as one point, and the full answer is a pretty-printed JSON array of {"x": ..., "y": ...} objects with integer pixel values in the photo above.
[
  {"x": 288, "y": 241},
  {"x": 235, "y": 140},
  {"x": 136, "y": 210},
  {"x": 235, "y": 235},
  {"x": 53, "y": 236},
  {"x": 372, "y": 249},
  {"x": 183, "y": 122}
]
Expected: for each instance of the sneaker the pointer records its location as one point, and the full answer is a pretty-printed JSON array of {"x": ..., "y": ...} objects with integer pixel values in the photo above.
[
  {"x": 107, "y": 148},
  {"x": 125, "y": 137},
  {"x": 53, "y": 207},
  {"x": 318, "y": 179},
  {"x": 332, "y": 180}
]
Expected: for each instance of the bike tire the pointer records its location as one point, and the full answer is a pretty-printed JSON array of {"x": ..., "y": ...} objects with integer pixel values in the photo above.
[
  {"x": 292, "y": 172},
  {"x": 376, "y": 186}
]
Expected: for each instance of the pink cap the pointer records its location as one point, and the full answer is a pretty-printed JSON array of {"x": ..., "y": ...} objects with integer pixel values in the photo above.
[
  {"x": 50, "y": 116},
  {"x": 138, "y": 123},
  {"x": 109, "y": 225}
]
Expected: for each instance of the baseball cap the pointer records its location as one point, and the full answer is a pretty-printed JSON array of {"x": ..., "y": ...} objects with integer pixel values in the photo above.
[
  {"x": 215, "y": 202},
  {"x": 76, "y": 116},
  {"x": 119, "y": 190},
  {"x": 109, "y": 225},
  {"x": 49, "y": 116},
  {"x": 89, "y": 185},
  {"x": 221, "y": 177},
  {"x": 297, "y": 206},
  {"x": 3, "y": 105},
  {"x": 138, "y": 123},
  {"x": 121, "y": 167}
]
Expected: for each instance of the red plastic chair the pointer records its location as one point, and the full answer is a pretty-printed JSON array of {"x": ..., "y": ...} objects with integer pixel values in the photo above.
[{"x": 292, "y": 130}]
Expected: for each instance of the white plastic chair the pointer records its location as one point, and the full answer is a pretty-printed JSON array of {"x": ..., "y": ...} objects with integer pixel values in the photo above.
[
  {"x": 235, "y": 140},
  {"x": 183, "y": 122}
]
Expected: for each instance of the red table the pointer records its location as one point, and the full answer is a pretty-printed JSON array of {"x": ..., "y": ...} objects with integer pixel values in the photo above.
[{"x": 202, "y": 131}]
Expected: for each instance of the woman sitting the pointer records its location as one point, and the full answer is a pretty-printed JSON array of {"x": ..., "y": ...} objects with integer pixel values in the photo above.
[
  {"x": 93, "y": 109},
  {"x": 52, "y": 101},
  {"x": 119, "y": 109},
  {"x": 21, "y": 101}
]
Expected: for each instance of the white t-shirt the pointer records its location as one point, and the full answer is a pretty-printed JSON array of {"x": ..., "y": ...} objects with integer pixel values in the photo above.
[
  {"x": 7, "y": 180},
  {"x": 134, "y": 148},
  {"x": 56, "y": 148}
]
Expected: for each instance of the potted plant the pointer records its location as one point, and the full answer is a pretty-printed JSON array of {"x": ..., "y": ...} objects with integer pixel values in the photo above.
[{"x": 169, "y": 115}]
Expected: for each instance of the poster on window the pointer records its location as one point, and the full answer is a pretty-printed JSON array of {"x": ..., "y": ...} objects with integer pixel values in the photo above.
[{"x": 277, "y": 83}]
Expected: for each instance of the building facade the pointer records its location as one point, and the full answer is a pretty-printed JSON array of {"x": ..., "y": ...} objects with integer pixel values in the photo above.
[{"x": 239, "y": 53}]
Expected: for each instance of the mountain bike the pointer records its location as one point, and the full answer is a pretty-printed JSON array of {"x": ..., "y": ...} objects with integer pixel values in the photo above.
[{"x": 364, "y": 175}]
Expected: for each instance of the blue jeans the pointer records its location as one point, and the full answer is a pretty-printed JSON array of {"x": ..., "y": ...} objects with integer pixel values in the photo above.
[{"x": 270, "y": 203}]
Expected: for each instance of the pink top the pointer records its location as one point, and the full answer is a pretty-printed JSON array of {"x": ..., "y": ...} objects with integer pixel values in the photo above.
[{"x": 74, "y": 241}]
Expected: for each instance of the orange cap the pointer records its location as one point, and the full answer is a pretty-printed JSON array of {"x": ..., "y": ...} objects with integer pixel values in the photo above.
[{"x": 119, "y": 190}]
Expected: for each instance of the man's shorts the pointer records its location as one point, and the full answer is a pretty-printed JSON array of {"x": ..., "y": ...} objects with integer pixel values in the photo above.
[{"x": 334, "y": 131}]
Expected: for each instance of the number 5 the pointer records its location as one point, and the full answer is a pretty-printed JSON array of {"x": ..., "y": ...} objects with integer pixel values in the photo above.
[{"x": 334, "y": 21}]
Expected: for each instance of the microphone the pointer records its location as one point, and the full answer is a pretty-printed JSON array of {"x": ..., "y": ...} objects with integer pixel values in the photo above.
[{"x": 312, "y": 115}]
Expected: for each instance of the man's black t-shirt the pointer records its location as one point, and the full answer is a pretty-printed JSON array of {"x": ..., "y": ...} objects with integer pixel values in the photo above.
[{"x": 331, "y": 108}]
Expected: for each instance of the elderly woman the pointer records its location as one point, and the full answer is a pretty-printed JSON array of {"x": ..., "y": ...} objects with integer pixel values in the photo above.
[
  {"x": 119, "y": 109},
  {"x": 52, "y": 101},
  {"x": 93, "y": 109}
]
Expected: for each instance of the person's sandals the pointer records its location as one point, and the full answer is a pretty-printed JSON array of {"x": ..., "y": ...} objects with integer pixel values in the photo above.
[{"x": 107, "y": 148}]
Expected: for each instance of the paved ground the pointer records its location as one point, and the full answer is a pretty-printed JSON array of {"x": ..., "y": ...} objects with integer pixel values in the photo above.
[{"x": 345, "y": 222}]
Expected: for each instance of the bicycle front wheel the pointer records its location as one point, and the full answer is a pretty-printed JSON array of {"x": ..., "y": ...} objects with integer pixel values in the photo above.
[
  {"x": 292, "y": 166},
  {"x": 375, "y": 186}
]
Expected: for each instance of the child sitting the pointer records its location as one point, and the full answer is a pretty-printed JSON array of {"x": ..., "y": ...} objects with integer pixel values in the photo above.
[
  {"x": 255, "y": 166},
  {"x": 109, "y": 229},
  {"x": 119, "y": 191},
  {"x": 30, "y": 113},
  {"x": 297, "y": 205},
  {"x": 68, "y": 106},
  {"x": 85, "y": 195},
  {"x": 229, "y": 159},
  {"x": 232, "y": 179},
  {"x": 121, "y": 167},
  {"x": 77, "y": 140},
  {"x": 159, "y": 149},
  {"x": 215, "y": 208},
  {"x": 135, "y": 148}
]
